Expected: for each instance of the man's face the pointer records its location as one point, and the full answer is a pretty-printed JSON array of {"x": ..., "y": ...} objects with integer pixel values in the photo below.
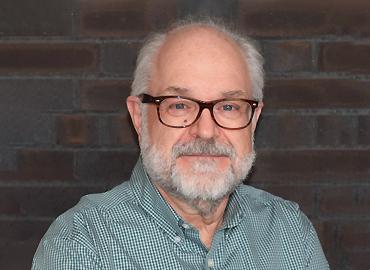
[{"x": 203, "y": 161}]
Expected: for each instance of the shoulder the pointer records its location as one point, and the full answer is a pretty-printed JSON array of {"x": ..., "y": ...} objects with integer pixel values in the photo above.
[
  {"x": 284, "y": 222},
  {"x": 108, "y": 201},
  {"x": 284, "y": 213},
  {"x": 91, "y": 212},
  {"x": 259, "y": 198},
  {"x": 75, "y": 237}
]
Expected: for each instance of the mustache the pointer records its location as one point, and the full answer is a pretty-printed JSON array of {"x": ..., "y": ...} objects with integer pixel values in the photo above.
[{"x": 200, "y": 146}]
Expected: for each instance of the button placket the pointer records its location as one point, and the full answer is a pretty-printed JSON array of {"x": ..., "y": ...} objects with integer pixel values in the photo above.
[{"x": 210, "y": 263}]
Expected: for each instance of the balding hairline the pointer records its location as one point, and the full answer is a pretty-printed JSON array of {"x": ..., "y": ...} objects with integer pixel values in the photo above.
[{"x": 149, "y": 53}]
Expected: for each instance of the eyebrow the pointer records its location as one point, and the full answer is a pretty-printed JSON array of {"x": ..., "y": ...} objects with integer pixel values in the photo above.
[
  {"x": 234, "y": 93},
  {"x": 175, "y": 90}
]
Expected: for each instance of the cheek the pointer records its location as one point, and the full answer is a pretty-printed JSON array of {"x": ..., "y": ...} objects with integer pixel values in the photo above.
[
  {"x": 242, "y": 141},
  {"x": 161, "y": 136}
]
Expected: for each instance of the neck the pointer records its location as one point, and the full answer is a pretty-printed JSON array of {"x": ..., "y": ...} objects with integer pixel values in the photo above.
[{"x": 205, "y": 216}]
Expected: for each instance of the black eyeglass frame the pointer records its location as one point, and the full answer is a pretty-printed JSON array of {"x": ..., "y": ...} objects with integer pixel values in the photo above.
[{"x": 145, "y": 98}]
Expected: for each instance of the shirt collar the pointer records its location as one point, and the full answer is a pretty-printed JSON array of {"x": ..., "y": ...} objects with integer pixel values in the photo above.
[
  {"x": 233, "y": 212},
  {"x": 152, "y": 201}
]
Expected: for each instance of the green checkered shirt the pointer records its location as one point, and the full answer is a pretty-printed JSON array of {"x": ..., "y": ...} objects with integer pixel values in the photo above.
[{"x": 132, "y": 227}]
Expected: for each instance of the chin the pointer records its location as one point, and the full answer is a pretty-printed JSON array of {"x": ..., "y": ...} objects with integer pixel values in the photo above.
[{"x": 204, "y": 182}]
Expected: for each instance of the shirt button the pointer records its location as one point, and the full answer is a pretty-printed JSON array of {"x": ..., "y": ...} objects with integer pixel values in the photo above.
[
  {"x": 210, "y": 263},
  {"x": 177, "y": 239},
  {"x": 185, "y": 226}
]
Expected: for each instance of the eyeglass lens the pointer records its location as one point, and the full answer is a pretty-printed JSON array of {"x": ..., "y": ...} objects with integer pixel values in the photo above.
[{"x": 181, "y": 112}]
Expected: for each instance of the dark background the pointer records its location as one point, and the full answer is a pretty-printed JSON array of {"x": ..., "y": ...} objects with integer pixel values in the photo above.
[{"x": 65, "y": 71}]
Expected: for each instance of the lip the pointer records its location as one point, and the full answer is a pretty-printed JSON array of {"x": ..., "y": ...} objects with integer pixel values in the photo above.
[{"x": 203, "y": 156}]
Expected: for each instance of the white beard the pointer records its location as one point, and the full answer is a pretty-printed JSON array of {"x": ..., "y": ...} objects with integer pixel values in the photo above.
[{"x": 203, "y": 186}]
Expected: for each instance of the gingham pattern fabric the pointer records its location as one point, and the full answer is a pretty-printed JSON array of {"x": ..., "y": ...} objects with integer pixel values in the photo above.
[{"x": 132, "y": 227}]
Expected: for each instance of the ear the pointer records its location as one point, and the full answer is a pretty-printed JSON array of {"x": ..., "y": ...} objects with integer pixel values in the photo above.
[
  {"x": 256, "y": 116},
  {"x": 133, "y": 106}
]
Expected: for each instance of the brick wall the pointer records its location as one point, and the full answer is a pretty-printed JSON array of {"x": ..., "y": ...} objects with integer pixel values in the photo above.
[{"x": 65, "y": 70}]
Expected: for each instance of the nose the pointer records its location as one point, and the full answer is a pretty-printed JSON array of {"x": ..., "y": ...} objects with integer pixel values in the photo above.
[{"x": 205, "y": 127}]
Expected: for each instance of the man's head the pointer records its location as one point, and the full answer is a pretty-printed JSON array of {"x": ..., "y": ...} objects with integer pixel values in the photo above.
[{"x": 203, "y": 161}]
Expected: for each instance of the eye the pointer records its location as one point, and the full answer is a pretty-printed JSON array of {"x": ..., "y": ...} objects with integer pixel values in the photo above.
[
  {"x": 178, "y": 106},
  {"x": 230, "y": 107}
]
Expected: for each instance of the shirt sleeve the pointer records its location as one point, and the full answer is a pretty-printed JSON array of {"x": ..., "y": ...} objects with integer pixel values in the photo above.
[
  {"x": 68, "y": 244},
  {"x": 316, "y": 257},
  {"x": 61, "y": 254}
]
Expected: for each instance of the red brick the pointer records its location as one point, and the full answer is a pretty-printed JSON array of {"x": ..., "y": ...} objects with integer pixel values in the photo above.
[
  {"x": 316, "y": 93},
  {"x": 313, "y": 166},
  {"x": 124, "y": 18},
  {"x": 25, "y": 106},
  {"x": 359, "y": 259},
  {"x": 35, "y": 127},
  {"x": 342, "y": 201},
  {"x": 347, "y": 57},
  {"x": 304, "y": 18},
  {"x": 342, "y": 242},
  {"x": 354, "y": 235},
  {"x": 41, "y": 201},
  {"x": 17, "y": 255},
  {"x": 48, "y": 58},
  {"x": 226, "y": 10},
  {"x": 42, "y": 164},
  {"x": 119, "y": 58},
  {"x": 337, "y": 130},
  {"x": 27, "y": 18},
  {"x": 287, "y": 56},
  {"x": 7, "y": 158},
  {"x": 22, "y": 230},
  {"x": 364, "y": 130},
  {"x": 46, "y": 164},
  {"x": 104, "y": 95},
  {"x": 119, "y": 131},
  {"x": 76, "y": 130},
  {"x": 110, "y": 167},
  {"x": 365, "y": 195},
  {"x": 18, "y": 242},
  {"x": 327, "y": 233},
  {"x": 35, "y": 95},
  {"x": 301, "y": 131}
]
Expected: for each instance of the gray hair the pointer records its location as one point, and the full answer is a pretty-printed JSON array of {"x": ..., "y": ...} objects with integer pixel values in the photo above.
[{"x": 155, "y": 41}]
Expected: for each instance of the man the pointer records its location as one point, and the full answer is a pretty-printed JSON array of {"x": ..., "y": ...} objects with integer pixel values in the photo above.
[{"x": 195, "y": 103}]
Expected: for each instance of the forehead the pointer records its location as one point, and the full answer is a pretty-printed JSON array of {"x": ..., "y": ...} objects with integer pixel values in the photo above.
[{"x": 202, "y": 60}]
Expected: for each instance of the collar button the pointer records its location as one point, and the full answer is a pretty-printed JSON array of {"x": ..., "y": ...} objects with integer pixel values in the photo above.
[
  {"x": 177, "y": 239},
  {"x": 210, "y": 263}
]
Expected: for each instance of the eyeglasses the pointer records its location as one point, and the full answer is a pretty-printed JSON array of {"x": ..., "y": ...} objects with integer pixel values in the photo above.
[{"x": 181, "y": 112}]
